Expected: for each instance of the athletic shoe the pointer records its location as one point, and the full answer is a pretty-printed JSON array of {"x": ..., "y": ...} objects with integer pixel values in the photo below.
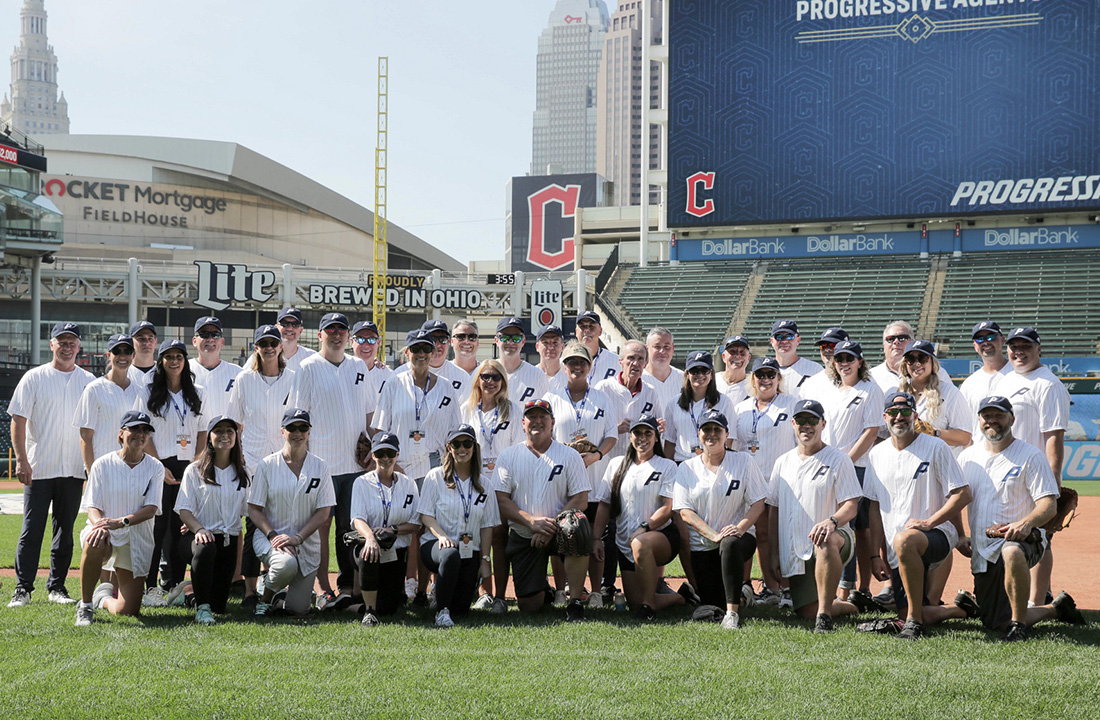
[
  {"x": 912, "y": 630},
  {"x": 965, "y": 599},
  {"x": 731, "y": 621},
  {"x": 420, "y": 600},
  {"x": 443, "y": 619},
  {"x": 342, "y": 601},
  {"x": 326, "y": 600},
  {"x": 689, "y": 593},
  {"x": 574, "y": 611},
  {"x": 410, "y": 588},
  {"x": 863, "y": 601},
  {"x": 278, "y": 601},
  {"x": 249, "y": 602},
  {"x": 369, "y": 619},
  {"x": 646, "y": 614},
  {"x": 261, "y": 584},
  {"x": 262, "y": 609},
  {"x": 484, "y": 602},
  {"x": 767, "y": 596},
  {"x": 881, "y": 625},
  {"x": 885, "y": 596},
  {"x": 823, "y": 624},
  {"x": 561, "y": 598},
  {"x": 663, "y": 588},
  {"x": 1017, "y": 632},
  {"x": 785, "y": 599},
  {"x": 595, "y": 600},
  {"x": 748, "y": 597},
  {"x": 1067, "y": 611},
  {"x": 607, "y": 594},
  {"x": 19, "y": 598},
  {"x": 101, "y": 593},
  {"x": 177, "y": 597},
  {"x": 85, "y": 615},
  {"x": 61, "y": 597},
  {"x": 203, "y": 615},
  {"x": 155, "y": 597},
  {"x": 499, "y": 607}
]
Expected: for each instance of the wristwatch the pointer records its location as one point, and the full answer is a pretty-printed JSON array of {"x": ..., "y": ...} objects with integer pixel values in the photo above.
[
  {"x": 644, "y": 525},
  {"x": 126, "y": 521},
  {"x": 936, "y": 432},
  {"x": 486, "y": 558}
]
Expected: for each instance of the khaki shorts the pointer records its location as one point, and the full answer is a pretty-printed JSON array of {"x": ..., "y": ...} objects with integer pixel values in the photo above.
[
  {"x": 804, "y": 586},
  {"x": 120, "y": 554}
]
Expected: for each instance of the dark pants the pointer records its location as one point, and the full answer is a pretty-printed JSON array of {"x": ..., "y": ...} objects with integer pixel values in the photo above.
[
  {"x": 720, "y": 573},
  {"x": 862, "y": 521},
  {"x": 388, "y": 580},
  {"x": 166, "y": 533},
  {"x": 457, "y": 578},
  {"x": 212, "y": 565},
  {"x": 345, "y": 556},
  {"x": 250, "y": 564},
  {"x": 64, "y": 493},
  {"x": 611, "y": 557}
]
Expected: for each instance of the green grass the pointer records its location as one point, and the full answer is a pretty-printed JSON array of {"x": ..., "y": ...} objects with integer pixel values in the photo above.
[
  {"x": 1084, "y": 487},
  {"x": 164, "y": 666}
]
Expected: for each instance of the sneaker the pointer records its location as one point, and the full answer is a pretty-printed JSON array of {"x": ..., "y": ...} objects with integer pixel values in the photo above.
[
  {"x": 881, "y": 625},
  {"x": 969, "y": 604},
  {"x": 249, "y": 602},
  {"x": 1067, "y": 611},
  {"x": 443, "y": 619},
  {"x": 607, "y": 594},
  {"x": 203, "y": 615},
  {"x": 420, "y": 600},
  {"x": 689, "y": 593},
  {"x": 262, "y": 610},
  {"x": 663, "y": 588},
  {"x": 369, "y": 619},
  {"x": 499, "y": 607},
  {"x": 485, "y": 602},
  {"x": 261, "y": 584},
  {"x": 1017, "y": 632},
  {"x": 177, "y": 596},
  {"x": 912, "y": 630},
  {"x": 561, "y": 598},
  {"x": 101, "y": 593},
  {"x": 863, "y": 601},
  {"x": 823, "y": 624},
  {"x": 19, "y": 598},
  {"x": 410, "y": 588},
  {"x": 85, "y": 615},
  {"x": 731, "y": 621},
  {"x": 61, "y": 597},
  {"x": 785, "y": 599},
  {"x": 154, "y": 597},
  {"x": 574, "y": 611},
  {"x": 342, "y": 601},
  {"x": 326, "y": 600},
  {"x": 767, "y": 596},
  {"x": 885, "y": 596},
  {"x": 646, "y": 614},
  {"x": 595, "y": 600},
  {"x": 748, "y": 597}
]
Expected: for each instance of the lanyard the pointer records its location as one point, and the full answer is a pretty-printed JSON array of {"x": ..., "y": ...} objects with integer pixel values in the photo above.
[
  {"x": 466, "y": 501},
  {"x": 491, "y": 434},
  {"x": 420, "y": 402},
  {"x": 386, "y": 504},
  {"x": 181, "y": 412},
  {"x": 691, "y": 411},
  {"x": 577, "y": 407},
  {"x": 593, "y": 370},
  {"x": 756, "y": 416}
]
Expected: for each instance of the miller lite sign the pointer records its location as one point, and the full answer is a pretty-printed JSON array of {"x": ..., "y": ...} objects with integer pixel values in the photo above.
[
  {"x": 541, "y": 215},
  {"x": 223, "y": 284},
  {"x": 546, "y": 298}
]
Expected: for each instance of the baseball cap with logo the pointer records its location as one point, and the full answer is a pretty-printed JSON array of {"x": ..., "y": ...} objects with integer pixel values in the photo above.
[
  {"x": 418, "y": 337},
  {"x": 385, "y": 441},
  {"x": 766, "y": 363},
  {"x": 985, "y": 326},
  {"x": 142, "y": 325},
  {"x": 900, "y": 400},
  {"x": 920, "y": 346},
  {"x": 116, "y": 340},
  {"x": 431, "y": 326},
  {"x": 268, "y": 331},
  {"x": 833, "y": 335},
  {"x": 462, "y": 431},
  {"x": 133, "y": 418},
  {"x": 220, "y": 419},
  {"x": 810, "y": 407},
  {"x": 735, "y": 340},
  {"x": 848, "y": 347},
  {"x": 171, "y": 345},
  {"x": 714, "y": 417},
  {"x": 207, "y": 320},
  {"x": 589, "y": 315},
  {"x": 1025, "y": 333},
  {"x": 646, "y": 420},
  {"x": 65, "y": 328},
  {"x": 289, "y": 312},
  {"x": 995, "y": 401},
  {"x": 296, "y": 415},
  {"x": 510, "y": 322},
  {"x": 364, "y": 325},
  {"x": 549, "y": 330},
  {"x": 784, "y": 326},
  {"x": 330, "y": 319},
  {"x": 699, "y": 358}
]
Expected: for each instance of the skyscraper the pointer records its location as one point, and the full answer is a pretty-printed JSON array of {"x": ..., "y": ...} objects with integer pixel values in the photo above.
[
  {"x": 568, "y": 63},
  {"x": 619, "y": 103},
  {"x": 34, "y": 108}
]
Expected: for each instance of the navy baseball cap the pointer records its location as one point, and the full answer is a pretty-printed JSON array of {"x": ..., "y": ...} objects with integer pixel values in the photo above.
[
  {"x": 921, "y": 346},
  {"x": 510, "y": 322},
  {"x": 364, "y": 325},
  {"x": 289, "y": 312},
  {"x": 330, "y": 319},
  {"x": 462, "y": 431},
  {"x": 540, "y": 404},
  {"x": 116, "y": 340},
  {"x": 549, "y": 330},
  {"x": 699, "y": 358},
  {"x": 995, "y": 401},
  {"x": 385, "y": 441},
  {"x": 812, "y": 407},
  {"x": 589, "y": 315},
  {"x": 268, "y": 331},
  {"x": 171, "y": 345},
  {"x": 900, "y": 400},
  {"x": 833, "y": 335},
  {"x": 784, "y": 326},
  {"x": 848, "y": 347},
  {"x": 735, "y": 340},
  {"x": 713, "y": 416},
  {"x": 1023, "y": 333},
  {"x": 985, "y": 326},
  {"x": 766, "y": 363},
  {"x": 431, "y": 326},
  {"x": 65, "y": 328},
  {"x": 207, "y": 320},
  {"x": 142, "y": 325},
  {"x": 133, "y": 418},
  {"x": 295, "y": 415},
  {"x": 646, "y": 420},
  {"x": 418, "y": 337},
  {"x": 221, "y": 418}
]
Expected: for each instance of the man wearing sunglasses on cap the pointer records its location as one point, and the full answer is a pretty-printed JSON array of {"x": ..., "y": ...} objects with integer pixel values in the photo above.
[
  {"x": 796, "y": 370},
  {"x": 290, "y": 326},
  {"x": 525, "y": 381},
  {"x": 213, "y": 373},
  {"x": 365, "y": 344}
]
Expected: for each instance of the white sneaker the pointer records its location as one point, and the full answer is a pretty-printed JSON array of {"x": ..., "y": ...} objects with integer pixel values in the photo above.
[
  {"x": 785, "y": 598},
  {"x": 410, "y": 588},
  {"x": 499, "y": 607},
  {"x": 731, "y": 621},
  {"x": 748, "y": 597},
  {"x": 443, "y": 619},
  {"x": 85, "y": 615},
  {"x": 595, "y": 600},
  {"x": 101, "y": 593},
  {"x": 61, "y": 597},
  {"x": 485, "y": 602},
  {"x": 155, "y": 597},
  {"x": 19, "y": 598},
  {"x": 561, "y": 599}
]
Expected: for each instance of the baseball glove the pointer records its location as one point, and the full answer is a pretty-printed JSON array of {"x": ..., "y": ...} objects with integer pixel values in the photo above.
[
  {"x": 708, "y": 613},
  {"x": 363, "y": 457},
  {"x": 385, "y": 538},
  {"x": 574, "y": 536},
  {"x": 923, "y": 427},
  {"x": 1067, "y": 508},
  {"x": 583, "y": 445},
  {"x": 998, "y": 531}
]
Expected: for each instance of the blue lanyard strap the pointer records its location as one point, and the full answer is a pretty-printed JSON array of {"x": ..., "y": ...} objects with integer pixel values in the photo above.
[
  {"x": 466, "y": 501},
  {"x": 386, "y": 504},
  {"x": 577, "y": 407}
]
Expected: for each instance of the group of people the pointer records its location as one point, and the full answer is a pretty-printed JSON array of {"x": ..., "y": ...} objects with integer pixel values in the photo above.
[{"x": 441, "y": 481}]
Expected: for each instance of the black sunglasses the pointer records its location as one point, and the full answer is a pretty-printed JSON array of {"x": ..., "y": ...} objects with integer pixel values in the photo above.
[
  {"x": 464, "y": 444},
  {"x": 210, "y": 334},
  {"x": 490, "y": 377},
  {"x": 385, "y": 453},
  {"x": 267, "y": 344},
  {"x": 122, "y": 350},
  {"x": 466, "y": 336}
]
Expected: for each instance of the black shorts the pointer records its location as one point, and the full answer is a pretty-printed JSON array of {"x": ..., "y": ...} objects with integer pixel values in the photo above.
[
  {"x": 862, "y": 520},
  {"x": 670, "y": 531},
  {"x": 989, "y": 586},
  {"x": 937, "y": 551},
  {"x": 528, "y": 565}
]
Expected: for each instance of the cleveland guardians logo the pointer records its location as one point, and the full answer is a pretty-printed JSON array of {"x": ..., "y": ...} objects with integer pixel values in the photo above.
[{"x": 538, "y": 205}]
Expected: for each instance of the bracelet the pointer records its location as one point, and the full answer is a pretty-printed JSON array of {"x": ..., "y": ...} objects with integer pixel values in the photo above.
[
  {"x": 836, "y": 523},
  {"x": 199, "y": 530},
  {"x": 300, "y": 538},
  {"x": 271, "y": 535},
  {"x": 600, "y": 452},
  {"x": 876, "y": 556}
]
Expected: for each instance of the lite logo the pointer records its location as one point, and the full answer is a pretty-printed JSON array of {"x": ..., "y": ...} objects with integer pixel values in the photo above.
[
  {"x": 538, "y": 206},
  {"x": 221, "y": 284}
]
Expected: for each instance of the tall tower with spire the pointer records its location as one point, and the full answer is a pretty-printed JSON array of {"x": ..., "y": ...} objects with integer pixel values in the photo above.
[{"x": 34, "y": 107}]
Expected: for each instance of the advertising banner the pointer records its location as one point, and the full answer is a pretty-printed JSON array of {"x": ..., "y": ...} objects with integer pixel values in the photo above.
[{"x": 541, "y": 211}]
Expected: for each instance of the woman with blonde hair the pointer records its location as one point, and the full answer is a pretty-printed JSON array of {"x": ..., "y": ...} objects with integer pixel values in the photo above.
[{"x": 942, "y": 409}]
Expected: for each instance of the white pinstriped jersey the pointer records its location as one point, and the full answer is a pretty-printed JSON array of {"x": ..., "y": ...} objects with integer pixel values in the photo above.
[
  {"x": 295, "y": 361},
  {"x": 911, "y": 484},
  {"x": 604, "y": 365},
  {"x": 596, "y": 422},
  {"x": 176, "y": 429},
  {"x": 378, "y": 377},
  {"x": 338, "y": 398},
  {"x": 556, "y": 381},
  {"x": 459, "y": 381},
  {"x": 437, "y": 416},
  {"x": 642, "y": 492},
  {"x": 527, "y": 383},
  {"x": 1006, "y": 486},
  {"x": 849, "y": 411},
  {"x": 668, "y": 389},
  {"x": 720, "y": 498},
  {"x": 736, "y": 392},
  {"x": 954, "y": 413},
  {"x": 141, "y": 377},
  {"x": 807, "y": 491},
  {"x": 259, "y": 406},
  {"x": 627, "y": 406},
  {"x": 100, "y": 409},
  {"x": 682, "y": 428},
  {"x": 978, "y": 387},
  {"x": 1040, "y": 403},
  {"x": 888, "y": 380},
  {"x": 218, "y": 507},
  {"x": 493, "y": 433},
  {"x": 816, "y": 387},
  {"x": 796, "y": 374},
  {"x": 288, "y": 501},
  {"x": 769, "y": 431},
  {"x": 540, "y": 485},
  {"x": 48, "y": 398},
  {"x": 117, "y": 490},
  {"x": 381, "y": 506},
  {"x": 449, "y": 507},
  {"x": 218, "y": 382}
]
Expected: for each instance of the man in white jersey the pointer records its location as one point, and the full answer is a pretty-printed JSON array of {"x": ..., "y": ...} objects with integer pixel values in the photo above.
[
  {"x": 213, "y": 373},
  {"x": 825, "y": 347},
  {"x": 1015, "y": 493},
  {"x": 733, "y": 381},
  {"x": 144, "y": 334},
  {"x": 333, "y": 388},
  {"x": 917, "y": 494},
  {"x": 525, "y": 381},
  {"x": 659, "y": 373},
  {"x": 814, "y": 495},
  {"x": 464, "y": 342},
  {"x": 534, "y": 482},
  {"x": 550, "y": 344},
  {"x": 290, "y": 326},
  {"x": 631, "y": 397},
  {"x": 796, "y": 370},
  {"x": 48, "y": 462},
  {"x": 604, "y": 362},
  {"x": 365, "y": 344},
  {"x": 989, "y": 344}
]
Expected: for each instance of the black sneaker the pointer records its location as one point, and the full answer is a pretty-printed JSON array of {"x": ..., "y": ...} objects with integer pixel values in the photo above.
[
  {"x": 1067, "y": 611},
  {"x": 249, "y": 603},
  {"x": 1017, "y": 632},
  {"x": 689, "y": 593},
  {"x": 823, "y": 624},
  {"x": 969, "y": 604},
  {"x": 646, "y": 614},
  {"x": 885, "y": 596},
  {"x": 913, "y": 630},
  {"x": 420, "y": 600},
  {"x": 881, "y": 625},
  {"x": 574, "y": 611},
  {"x": 863, "y": 601}
]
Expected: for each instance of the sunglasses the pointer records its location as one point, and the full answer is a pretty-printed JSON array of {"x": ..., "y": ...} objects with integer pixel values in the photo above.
[
  {"x": 699, "y": 371},
  {"x": 766, "y": 374},
  {"x": 122, "y": 350},
  {"x": 373, "y": 340},
  {"x": 827, "y": 346},
  {"x": 490, "y": 377},
  {"x": 904, "y": 412},
  {"x": 385, "y": 453},
  {"x": 518, "y": 338},
  {"x": 807, "y": 420},
  {"x": 298, "y": 428},
  {"x": 985, "y": 338},
  {"x": 440, "y": 339},
  {"x": 289, "y": 324},
  {"x": 844, "y": 359},
  {"x": 782, "y": 337},
  {"x": 463, "y": 444},
  {"x": 421, "y": 349},
  {"x": 333, "y": 329},
  {"x": 915, "y": 359},
  {"x": 267, "y": 344},
  {"x": 465, "y": 336},
  {"x": 209, "y": 335},
  {"x": 897, "y": 338}
]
